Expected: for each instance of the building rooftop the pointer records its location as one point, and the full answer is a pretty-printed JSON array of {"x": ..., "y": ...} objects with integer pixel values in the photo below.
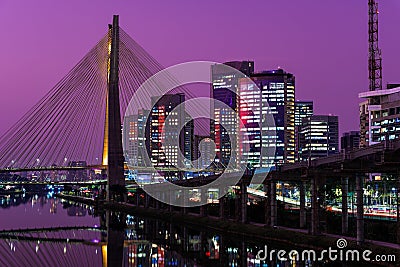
[{"x": 379, "y": 92}]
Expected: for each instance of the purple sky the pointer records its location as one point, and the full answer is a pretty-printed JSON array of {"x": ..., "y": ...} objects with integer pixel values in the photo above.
[{"x": 324, "y": 43}]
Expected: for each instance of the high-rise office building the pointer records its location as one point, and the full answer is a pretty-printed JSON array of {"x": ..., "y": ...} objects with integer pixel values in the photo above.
[
  {"x": 137, "y": 139},
  {"x": 319, "y": 137},
  {"x": 143, "y": 137},
  {"x": 131, "y": 139},
  {"x": 167, "y": 144},
  {"x": 380, "y": 115},
  {"x": 270, "y": 93},
  {"x": 224, "y": 111},
  {"x": 189, "y": 141},
  {"x": 303, "y": 109},
  {"x": 350, "y": 140}
]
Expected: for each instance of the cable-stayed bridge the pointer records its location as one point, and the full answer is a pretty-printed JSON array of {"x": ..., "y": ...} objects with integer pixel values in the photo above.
[{"x": 80, "y": 118}]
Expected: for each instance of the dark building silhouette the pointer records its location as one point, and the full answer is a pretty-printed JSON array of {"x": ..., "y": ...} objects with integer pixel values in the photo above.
[{"x": 350, "y": 140}]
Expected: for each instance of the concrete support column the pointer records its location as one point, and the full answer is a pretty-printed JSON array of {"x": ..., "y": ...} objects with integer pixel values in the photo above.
[
  {"x": 113, "y": 135},
  {"x": 185, "y": 239},
  {"x": 137, "y": 198},
  {"x": 303, "y": 214},
  {"x": 171, "y": 197},
  {"x": 222, "y": 207},
  {"x": 273, "y": 205},
  {"x": 243, "y": 204},
  {"x": 237, "y": 206},
  {"x": 203, "y": 211},
  {"x": 223, "y": 257},
  {"x": 204, "y": 197},
  {"x": 162, "y": 203},
  {"x": 184, "y": 202},
  {"x": 314, "y": 207},
  {"x": 103, "y": 192},
  {"x": 157, "y": 202},
  {"x": 243, "y": 254},
  {"x": 267, "y": 204},
  {"x": 360, "y": 209},
  {"x": 345, "y": 210},
  {"x": 147, "y": 201}
]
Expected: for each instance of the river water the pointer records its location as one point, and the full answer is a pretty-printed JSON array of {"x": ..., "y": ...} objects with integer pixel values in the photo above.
[{"x": 47, "y": 231}]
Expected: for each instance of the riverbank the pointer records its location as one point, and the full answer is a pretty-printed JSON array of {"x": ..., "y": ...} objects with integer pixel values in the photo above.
[{"x": 285, "y": 237}]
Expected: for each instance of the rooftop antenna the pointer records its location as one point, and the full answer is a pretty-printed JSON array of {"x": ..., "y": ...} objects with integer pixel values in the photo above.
[{"x": 375, "y": 54}]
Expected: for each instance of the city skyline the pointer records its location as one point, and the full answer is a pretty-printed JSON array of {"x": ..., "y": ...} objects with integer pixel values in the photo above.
[
  {"x": 162, "y": 193},
  {"x": 299, "y": 45}
]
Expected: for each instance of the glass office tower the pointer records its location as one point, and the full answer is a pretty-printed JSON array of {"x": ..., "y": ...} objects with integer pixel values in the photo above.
[
  {"x": 275, "y": 95},
  {"x": 303, "y": 109},
  {"x": 319, "y": 137},
  {"x": 224, "y": 111},
  {"x": 171, "y": 153}
]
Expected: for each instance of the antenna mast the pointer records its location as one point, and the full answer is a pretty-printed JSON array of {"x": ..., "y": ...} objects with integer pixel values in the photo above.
[{"x": 375, "y": 54}]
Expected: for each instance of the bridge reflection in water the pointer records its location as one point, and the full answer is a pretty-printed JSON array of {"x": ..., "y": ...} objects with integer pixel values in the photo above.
[{"x": 119, "y": 240}]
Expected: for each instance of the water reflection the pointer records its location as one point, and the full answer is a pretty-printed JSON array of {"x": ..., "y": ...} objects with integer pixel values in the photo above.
[{"x": 77, "y": 235}]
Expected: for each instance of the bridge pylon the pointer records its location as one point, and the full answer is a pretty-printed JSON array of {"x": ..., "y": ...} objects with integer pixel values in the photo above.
[{"x": 113, "y": 153}]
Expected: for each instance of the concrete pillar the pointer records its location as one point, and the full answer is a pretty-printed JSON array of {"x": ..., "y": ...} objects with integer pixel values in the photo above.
[
  {"x": 146, "y": 201},
  {"x": 184, "y": 202},
  {"x": 303, "y": 214},
  {"x": 112, "y": 146},
  {"x": 204, "y": 197},
  {"x": 222, "y": 207},
  {"x": 273, "y": 205},
  {"x": 345, "y": 210},
  {"x": 157, "y": 202},
  {"x": 243, "y": 254},
  {"x": 203, "y": 243},
  {"x": 203, "y": 211},
  {"x": 237, "y": 206},
  {"x": 360, "y": 208},
  {"x": 115, "y": 240},
  {"x": 314, "y": 207},
  {"x": 223, "y": 257},
  {"x": 162, "y": 203},
  {"x": 171, "y": 197},
  {"x": 243, "y": 200},
  {"x": 185, "y": 239},
  {"x": 267, "y": 204},
  {"x": 137, "y": 198}
]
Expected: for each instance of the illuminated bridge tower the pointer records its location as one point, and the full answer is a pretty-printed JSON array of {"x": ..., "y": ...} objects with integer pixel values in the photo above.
[{"x": 112, "y": 151}]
